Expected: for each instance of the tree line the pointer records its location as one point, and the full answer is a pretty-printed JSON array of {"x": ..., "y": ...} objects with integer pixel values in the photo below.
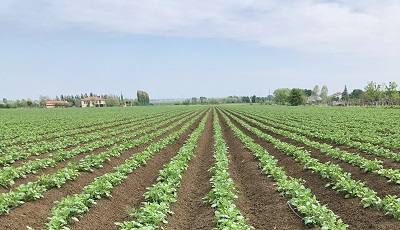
[
  {"x": 75, "y": 100},
  {"x": 373, "y": 94}
]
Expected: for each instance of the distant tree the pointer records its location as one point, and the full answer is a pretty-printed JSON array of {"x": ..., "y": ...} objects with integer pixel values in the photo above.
[
  {"x": 253, "y": 99},
  {"x": 315, "y": 91},
  {"x": 5, "y": 101},
  {"x": 203, "y": 100},
  {"x": 186, "y": 102},
  {"x": 296, "y": 97},
  {"x": 356, "y": 94},
  {"x": 307, "y": 92},
  {"x": 213, "y": 101},
  {"x": 324, "y": 94},
  {"x": 345, "y": 94},
  {"x": 29, "y": 102},
  {"x": 112, "y": 101},
  {"x": 194, "y": 100},
  {"x": 43, "y": 100},
  {"x": 245, "y": 99},
  {"x": 143, "y": 98},
  {"x": 281, "y": 96},
  {"x": 391, "y": 93},
  {"x": 372, "y": 92}
]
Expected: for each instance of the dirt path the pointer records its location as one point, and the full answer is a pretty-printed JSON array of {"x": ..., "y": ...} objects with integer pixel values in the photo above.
[
  {"x": 191, "y": 212},
  {"x": 258, "y": 200},
  {"x": 350, "y": 210}
]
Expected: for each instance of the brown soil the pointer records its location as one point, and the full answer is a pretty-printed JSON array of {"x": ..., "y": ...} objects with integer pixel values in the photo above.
[
  {"x": 387, "y": 163},
  {"x": 374, "y": 181},
  {"x": 191, "y": 212},
  {"x": 35, "y": 213},
  {"x": 258, "y": 201},
  {"x": 48, "y": 170},
  {"x": 350, "y": 210}
]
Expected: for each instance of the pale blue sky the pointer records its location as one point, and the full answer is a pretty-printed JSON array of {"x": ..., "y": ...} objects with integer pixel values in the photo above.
[{"x": 195, "y": 48}]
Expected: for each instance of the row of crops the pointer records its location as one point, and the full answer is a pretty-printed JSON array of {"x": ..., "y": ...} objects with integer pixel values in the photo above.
[{"x": 335, "y": 168}]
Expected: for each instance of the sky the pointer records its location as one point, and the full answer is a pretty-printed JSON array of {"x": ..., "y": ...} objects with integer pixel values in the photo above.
[{"x": 191, "y": 48}]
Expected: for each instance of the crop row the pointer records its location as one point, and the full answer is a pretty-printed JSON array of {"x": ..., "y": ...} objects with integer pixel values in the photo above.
[
  {"x": 9, "y": 174},
  {"x": 68, "y": 208},
  {"x": 68, "y": 142},
  {"x": 374, "y": 166},
  {"x": 301, "y": 197},
  {"x": 24, "y": 126},
  {"x": 64, "y": 139},
  {"x": 339, "y": 180},
  {"x": 34, "y": 190},
  {"x": 223, "y": 193},
  {"x": 333, "y": 137},
  {"x": 160, "y": 196}
]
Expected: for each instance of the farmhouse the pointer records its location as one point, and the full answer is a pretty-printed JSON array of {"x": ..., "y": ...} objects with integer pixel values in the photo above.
[
  {"x": 56, "y": 104},
  {"x": 93, "y": 102}
]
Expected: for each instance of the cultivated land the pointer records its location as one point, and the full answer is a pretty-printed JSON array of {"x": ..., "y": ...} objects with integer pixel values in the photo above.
[{"x": 200, "y": 167}]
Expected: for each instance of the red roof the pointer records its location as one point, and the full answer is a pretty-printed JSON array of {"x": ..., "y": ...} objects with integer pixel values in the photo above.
[{"x": 93, "y": 98}]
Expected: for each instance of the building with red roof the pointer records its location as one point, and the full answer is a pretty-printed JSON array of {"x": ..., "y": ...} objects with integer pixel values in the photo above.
[{"x": 93, "y": 102}]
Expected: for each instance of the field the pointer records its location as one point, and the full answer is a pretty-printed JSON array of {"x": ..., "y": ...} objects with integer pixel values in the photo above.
[{"x": 200, "y": 167}]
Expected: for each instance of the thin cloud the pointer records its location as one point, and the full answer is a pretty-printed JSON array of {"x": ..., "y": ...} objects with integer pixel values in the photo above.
[{"x": 360, "y": 28}]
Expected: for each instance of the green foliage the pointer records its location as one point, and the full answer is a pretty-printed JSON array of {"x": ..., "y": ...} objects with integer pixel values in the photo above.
[
  {"x": 281, "y": 96},
  {"x": 296, "y": 97},
  {"x": 143, "y": 97}
]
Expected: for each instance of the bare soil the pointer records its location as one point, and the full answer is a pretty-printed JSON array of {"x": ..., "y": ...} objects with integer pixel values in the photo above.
[{"x": 258, "y": 199}]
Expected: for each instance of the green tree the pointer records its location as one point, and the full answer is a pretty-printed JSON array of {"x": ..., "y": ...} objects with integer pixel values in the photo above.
[
  {"x": 296, "y": 97},
  {"x": 281, "y": 96},
  {"x": 324, "y": 94},
  {"x": 143, "y": 97},
  {"x": 345, "y": 94},
  {"x": 356, "y": 94},
  {"x": 315, "y": 91},
  {"x": 391, "y": 93},
  {"x": 203, "y": 100},
  {"x": 194, "y": 100},
  {"x": 245, "y": 99},
  {"x": 307, "y": 92},
  {"x": 372, "y": 92},
  {"x": 253, "y": 99},
  {"x": 112, "y": 101}
]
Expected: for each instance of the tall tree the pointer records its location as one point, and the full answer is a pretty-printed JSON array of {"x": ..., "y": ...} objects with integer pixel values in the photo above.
[
  {"x": 203, "y": 100},
  {"x": 324, "y": 94},
  {"x": 143, "y": 97},
  {"x": 281, "y": 96},
  {"x": 315, "y": 91},
  {"x": 345, "y": 94},
  {"x": 253, "y": 99},
  {"x": 194, "y": 100},
  {"x": 296, "y": 97},
  {"x": 245, "y": 99},
  {"x": 372, "y": 91},
  {"x": 391, "y": 93},
  {"x": 307, "y": 92}
]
